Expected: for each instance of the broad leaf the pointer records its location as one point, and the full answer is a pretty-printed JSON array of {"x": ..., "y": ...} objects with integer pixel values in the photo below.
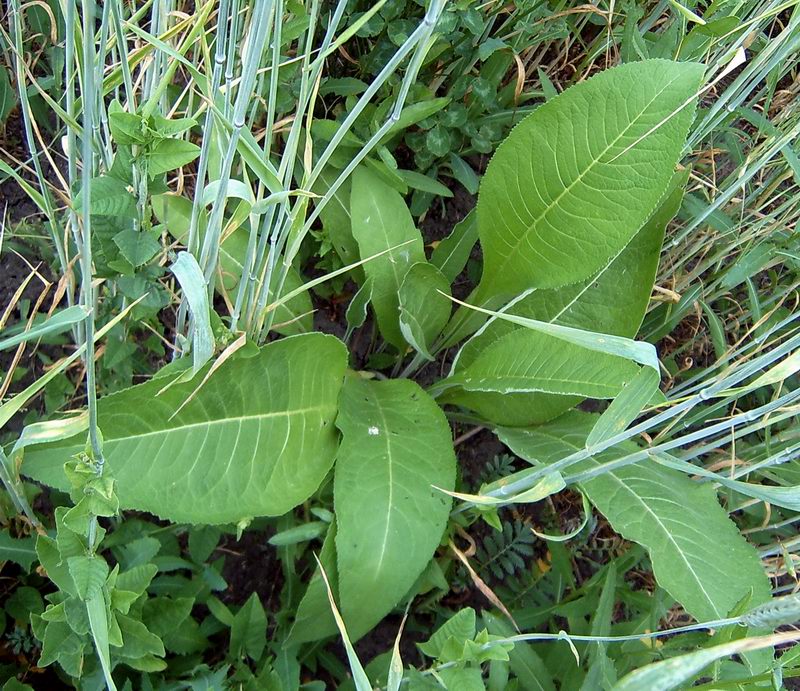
[
  {"x": 335, "y": 216},
  {"x": 613, "y": 301},
  {"x": 396, "y": 444},
  {"x": 169, "y": 154},
  {"x": 256, "y": 439},
  {"x": 424, "y": 306},
  {"x": 697, "y": 553},
  {"x": 574, "y": 181},
  {"x": 382, "y": 221},
  {"x": 21, "y": 550},
  {"x": 525, "y": 362},
  {"x": 88, "y": 574},
  {"x": 138, "y": 247},
  {"x": 109, "y": 197}
]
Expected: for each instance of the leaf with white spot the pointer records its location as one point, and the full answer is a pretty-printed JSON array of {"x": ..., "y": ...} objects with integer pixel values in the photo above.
[{"x": 396, "y": 445}]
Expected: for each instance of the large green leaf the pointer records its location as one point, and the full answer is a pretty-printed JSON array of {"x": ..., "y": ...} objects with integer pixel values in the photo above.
[
  {"x": 498, "y": 383},
  {"x": 381, "y": 221},
  {"x": 396, "y": 445},
  {"x": 256, "y": 439},
  {"x": 574, "y": 181},
  {"x": 613, "y": 301},
  {"x": 698, "y": 555}
]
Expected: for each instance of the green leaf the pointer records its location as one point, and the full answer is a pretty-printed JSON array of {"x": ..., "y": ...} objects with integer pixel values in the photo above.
[
  {"x": 675, "y": 672},
  {"x": 612, "y": 301},
  {"x": 576, "y": 179},
  {"x": 169, "y": 154},
  {"x": 53, "y": 564},
  {"x": 89, "y": 575},
  {"x": 249, "y": 630},
  {"x": 256, "y": 439},
  {"x": 109, "y": 197},
  {"x": 598, "y": 303},
  {"x": 356, "y": 313},
  {"x": 335, "y": 216},
  {"x": 525, "y": 663},
  {"x": 450, "y": 256},
  {"x": 396, "y": 444},
  {"x": 126, "y": 128},
  {"x": 137, "y": 641},
  {"x": 314, "y": 619},
  {"x": 697, "y": 553},
  {"x": 381, "y": 221},
  {"x": 138, "y": 247},
  {"x": 418, "y": 181},
  {"x": 460, "y": 627},
  {"x": 163, "y": 614},
  {"x": 8, "y": 95},
  {"x": 524, "y": 362},
  {"x": 424, "y": 306},
  {"x": 97, "y": 612},
  {"x": 463, "y": 678},
  {"x": 20, "y": 550},
  {"x": 296, "y": 315}
]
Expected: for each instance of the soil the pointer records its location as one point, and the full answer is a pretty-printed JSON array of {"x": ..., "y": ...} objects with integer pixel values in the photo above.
[
  {"x": 15, "y": 205},
  {"x": 14, "y": 270},
  {"x": 251, "y": 566}
]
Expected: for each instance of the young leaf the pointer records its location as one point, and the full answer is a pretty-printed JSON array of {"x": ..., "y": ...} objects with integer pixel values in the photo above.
[
  {"x": 88, "y": 574},
  {"x": 460, "y": 627},
  {"x": 381, "y": 221},
  {"x": 451, "y": 255},
  {"x": 424, "y": 306},
  {"x": 256, "y": 440},
  {"x": 697, "y": 553},
  {"x": 249, "y": 630},
  {"x": 396, "y": 444},
  {"x": 169, "y": 154},
  {"x": 574, "y": 181}
]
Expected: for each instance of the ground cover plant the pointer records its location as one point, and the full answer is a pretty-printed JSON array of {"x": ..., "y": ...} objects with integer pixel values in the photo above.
[{"x": 281, "y": 409}]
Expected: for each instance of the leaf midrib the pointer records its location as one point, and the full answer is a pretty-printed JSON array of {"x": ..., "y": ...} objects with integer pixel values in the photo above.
[
  {"x": 655, "y": 517},
  {"x": 555, "y": 203},
  {"x": 219, "y": 421}
]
